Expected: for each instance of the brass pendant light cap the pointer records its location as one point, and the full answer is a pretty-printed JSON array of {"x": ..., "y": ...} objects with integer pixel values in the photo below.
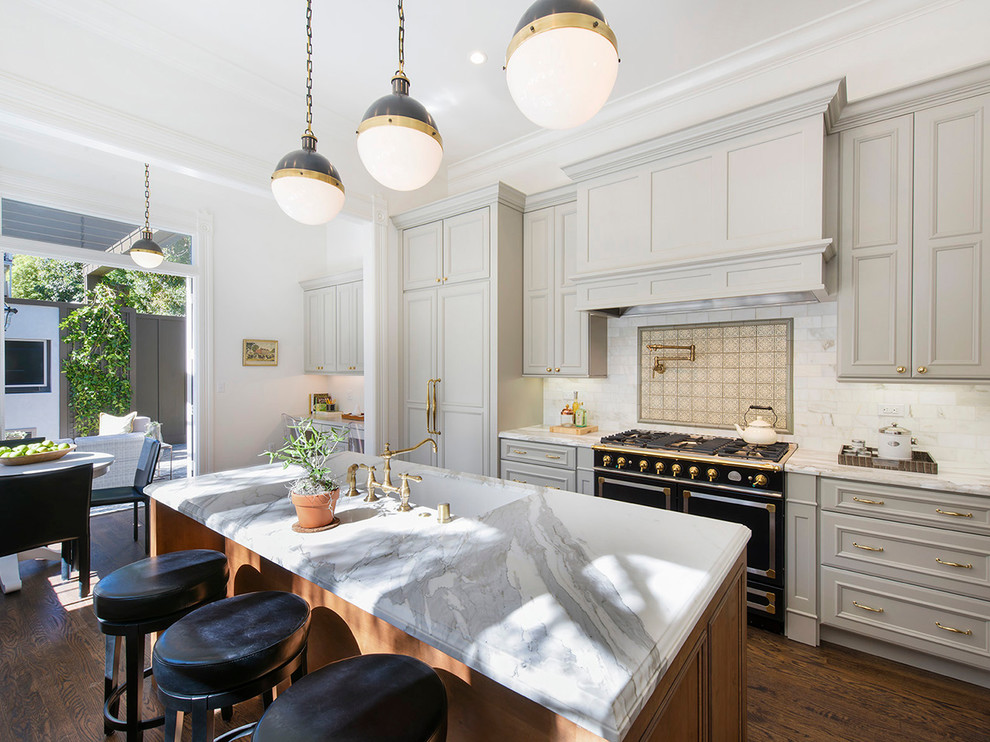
[
  {"x": 398, "y": 108},
  {"x": 548, "y": 15},
  {"x": 308, "y": 163}
]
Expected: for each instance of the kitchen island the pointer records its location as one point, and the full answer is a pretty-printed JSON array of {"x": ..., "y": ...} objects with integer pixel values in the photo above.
[{"x": 549, "y": 615}]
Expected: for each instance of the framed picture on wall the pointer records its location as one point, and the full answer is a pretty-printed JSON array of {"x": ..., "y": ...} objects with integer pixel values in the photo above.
[{"x": 260, "y": 353}]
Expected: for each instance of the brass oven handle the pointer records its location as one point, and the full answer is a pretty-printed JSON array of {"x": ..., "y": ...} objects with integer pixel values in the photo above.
[
  {"x": 867, "y": 608},
  {"x": 868, "y": 502},
  {"x": 954, "y": 564},
  {"x": 957, "y": 515},
  {"x": 869, "y": 548},
  {"x": 966, "y": 632}
]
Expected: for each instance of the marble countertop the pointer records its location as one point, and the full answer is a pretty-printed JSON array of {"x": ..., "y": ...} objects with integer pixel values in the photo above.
[
  {"x": 577, "y": 603},
  {"x": 542, "y": 434},
  {"x": 950, "y": 477}
]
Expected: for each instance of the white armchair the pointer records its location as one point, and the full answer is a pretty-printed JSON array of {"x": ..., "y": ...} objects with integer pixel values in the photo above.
[{"x": 125, "y": 449}]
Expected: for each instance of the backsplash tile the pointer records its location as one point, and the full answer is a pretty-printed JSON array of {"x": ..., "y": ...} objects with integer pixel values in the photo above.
[
  {"x": 950, "y": 421},
  {"x": 736, "y": 365}
]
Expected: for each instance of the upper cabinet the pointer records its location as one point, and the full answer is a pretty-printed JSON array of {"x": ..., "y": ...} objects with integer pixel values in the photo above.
[
  {"x": 447, "y": 251},
  {"x": 558, "y": 340},
  {"x": 913, "y": 246},
  {"x": 333, "y": 322}
]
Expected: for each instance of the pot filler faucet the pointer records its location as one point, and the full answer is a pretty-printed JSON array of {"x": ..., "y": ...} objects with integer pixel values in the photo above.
[{"x": 386, "y": 486}]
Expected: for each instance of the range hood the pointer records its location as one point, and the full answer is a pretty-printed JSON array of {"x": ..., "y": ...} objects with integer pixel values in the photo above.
[{"x": 791, "y": 274}]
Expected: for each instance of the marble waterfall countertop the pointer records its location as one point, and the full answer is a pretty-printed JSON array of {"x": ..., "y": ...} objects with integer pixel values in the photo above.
[{"x": 576, "y": 603}]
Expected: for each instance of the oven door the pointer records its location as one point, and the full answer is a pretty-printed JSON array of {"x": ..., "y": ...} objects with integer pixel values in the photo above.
[
  {"x": 639, "y": 490},
  {"x": 763, "y": 515}
]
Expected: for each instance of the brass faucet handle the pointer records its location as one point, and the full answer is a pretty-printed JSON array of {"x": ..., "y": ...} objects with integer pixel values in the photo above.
[
  {"x": 405, "y": 477},
  {"x": 404, "y": 490},
  {"x": 352, "y": 490},
  {"x": 371, "y": 496}
]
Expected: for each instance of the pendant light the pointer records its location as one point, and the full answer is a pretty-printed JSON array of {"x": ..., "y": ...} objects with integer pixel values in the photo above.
[
  {"x": 561, "y": 63},
  {"x": 398, "y": 139},
  {"x": 146, "y": 252},
  {"x": 305, "y": 185}
]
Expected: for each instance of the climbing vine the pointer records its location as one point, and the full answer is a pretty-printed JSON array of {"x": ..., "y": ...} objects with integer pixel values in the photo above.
[{"x": 99, "y": 360}]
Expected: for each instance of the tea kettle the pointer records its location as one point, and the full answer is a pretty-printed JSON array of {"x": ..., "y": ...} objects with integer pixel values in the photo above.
[{"x": 758, "y": 432}]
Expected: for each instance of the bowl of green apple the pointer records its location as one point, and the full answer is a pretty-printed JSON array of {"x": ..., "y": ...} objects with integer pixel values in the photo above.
[{"x": 34, "y": 453}]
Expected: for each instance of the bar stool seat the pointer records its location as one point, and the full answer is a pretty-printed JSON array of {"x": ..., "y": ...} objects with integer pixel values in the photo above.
[
  {"x": 227, "y": 652},
  {"x": 141, "y": 598},
  {"x": 370, "y": 697}
]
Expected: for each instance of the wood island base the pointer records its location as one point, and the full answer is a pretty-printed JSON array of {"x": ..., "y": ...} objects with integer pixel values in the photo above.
[{"x": 702, "y": 696}]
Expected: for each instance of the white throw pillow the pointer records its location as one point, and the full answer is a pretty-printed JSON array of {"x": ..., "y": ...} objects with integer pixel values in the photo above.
[{"x": 110, "y": 425}]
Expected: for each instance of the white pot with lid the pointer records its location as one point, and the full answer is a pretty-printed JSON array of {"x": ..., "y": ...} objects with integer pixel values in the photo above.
[{"x": 895, "y": 443}]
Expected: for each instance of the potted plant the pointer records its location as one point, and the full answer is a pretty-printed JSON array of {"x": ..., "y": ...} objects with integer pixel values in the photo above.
[{"x": 314, "y": 494}]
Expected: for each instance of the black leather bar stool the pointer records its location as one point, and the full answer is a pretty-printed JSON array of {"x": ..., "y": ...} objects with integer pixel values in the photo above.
[
  {"x": 228, "y": 652},
  {"x": 369, "y": 698},
  {"x": 145, "y": 597}
]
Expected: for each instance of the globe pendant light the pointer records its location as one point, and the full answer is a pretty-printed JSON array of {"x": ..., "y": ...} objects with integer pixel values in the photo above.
[
  {"x": 562, "y": 63},
  {"x": 146, "y": 252},
  {"x": 398, "y": 139},
  {"x": 305, "y": 185}
]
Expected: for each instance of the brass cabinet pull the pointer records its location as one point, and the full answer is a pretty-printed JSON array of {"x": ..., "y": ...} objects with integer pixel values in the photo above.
[
  {"x": 901, "y": 369},
  {"x": 521, "y": 481},
  {"x": 521, "y": 453},
  {"x": 954, "y": 564},
  {"x": 551, "y": 487},
  {"x": 868, "y": 502},
  {"x": 867, "y": 608},
  {"x": 922, "y": 369},
  {"x": 955, "y": 514},
  {"x": 431, "y": 407},
  {"x": 551, "y": 456},
  {"x": 867, "y": 548},
  {"x": 966, "y": 632}
]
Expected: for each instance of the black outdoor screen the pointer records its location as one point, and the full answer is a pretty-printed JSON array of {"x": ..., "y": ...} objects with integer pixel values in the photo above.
[{"x": 27, "y": 366}]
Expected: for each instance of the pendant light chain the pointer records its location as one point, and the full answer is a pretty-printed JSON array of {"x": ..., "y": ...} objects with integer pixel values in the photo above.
[
  {"x": 147, "y": 200},
  {"x": 309, "y": 67},
  {"x": 402, "y": 38}
]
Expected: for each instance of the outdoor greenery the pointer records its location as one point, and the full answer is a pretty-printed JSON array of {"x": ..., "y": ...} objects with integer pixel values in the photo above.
[
  {"x": 46, "y": 279},
  {"x": 98, "y": 365},
  {"x": 309, "y": 448}
]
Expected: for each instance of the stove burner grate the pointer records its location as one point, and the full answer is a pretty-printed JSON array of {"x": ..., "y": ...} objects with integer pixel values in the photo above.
[{"x": 689, "y": 443}]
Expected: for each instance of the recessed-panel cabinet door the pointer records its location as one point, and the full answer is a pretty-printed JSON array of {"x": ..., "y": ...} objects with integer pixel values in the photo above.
[
  {"x": 466, "y": 247},
  {"x": 330, "y": 330},
  {"x": 422, "y": 249},
  {"x": 538, "y": 292},
  {"x": 419, "y": 368},
  {"x": 348, "y": 326},
  {"x": 614, "y": 218},
  {"x": 314, "y": 354},
  {"x": 951, "y": 255},
  {"x": 875, "y": 250}
]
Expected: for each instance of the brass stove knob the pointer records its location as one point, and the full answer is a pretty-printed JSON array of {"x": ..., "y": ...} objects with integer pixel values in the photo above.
[
  {"x": 606, "y": 460},
  {"x": 760, "y": 480},
  {"x": 675, "y": 470},
  {"x": 643, "y": 463},
  {"x": 694, "y": 471},
  {"x": 712, "y": 475},
  {"x": 659, "y": 467},
  {"x": 621, "y": 462}
]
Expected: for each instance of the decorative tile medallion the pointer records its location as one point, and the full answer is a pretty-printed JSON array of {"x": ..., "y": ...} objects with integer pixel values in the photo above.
[{"x": 736, "y": 364}]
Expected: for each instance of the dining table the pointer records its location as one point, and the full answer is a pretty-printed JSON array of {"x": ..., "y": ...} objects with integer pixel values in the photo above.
[{"x": 10, "y": 578}]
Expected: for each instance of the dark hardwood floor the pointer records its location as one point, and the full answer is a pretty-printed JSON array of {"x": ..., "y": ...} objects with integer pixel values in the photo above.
[{"x": 51, "y": 674}]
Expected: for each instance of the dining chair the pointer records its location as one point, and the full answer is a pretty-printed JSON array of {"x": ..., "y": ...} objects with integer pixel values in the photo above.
[
  {"x": 46, "y": 508},
  {"x": 147, "y": 464}
]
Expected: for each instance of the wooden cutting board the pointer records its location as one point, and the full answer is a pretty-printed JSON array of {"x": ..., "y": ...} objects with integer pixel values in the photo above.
[{"x": 573, "y": 430}]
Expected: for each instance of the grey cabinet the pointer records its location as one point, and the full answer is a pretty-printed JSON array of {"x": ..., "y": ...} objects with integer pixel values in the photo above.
[
  {"x": 333, "y": 325},
  {"x": 558, "y": 340},
  {"x": 914, "y": 254},
  {"x": 554, "y": 465}
]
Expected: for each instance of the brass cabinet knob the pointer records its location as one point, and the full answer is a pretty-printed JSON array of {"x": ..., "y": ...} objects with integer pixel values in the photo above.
[
  {"x": 606, "y": 460},
  {"x": 712, "y": 475},
  {"x": 643, "y": 463},
  {"x": 549, "y": 369},
  {"x": 922, "y": 369},
  {"x": 694, "y": 471},
  {"x": 438, "y": 280},
  {"x": 760, "y": 480},
  {"x": 445, "y": 278},
  {"x": 556, "y": 370},
  {"x": 621, "y": 462},
  {"x": 659, "y": 467},
  {"x": 675, "y": 469},
  {"x": 901, "y": 369}
]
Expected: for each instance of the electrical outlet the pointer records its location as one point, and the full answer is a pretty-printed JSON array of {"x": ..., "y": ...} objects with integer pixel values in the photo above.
[
  {"x": 221, "y": 387},
  {"x": 892, "y": 410}
]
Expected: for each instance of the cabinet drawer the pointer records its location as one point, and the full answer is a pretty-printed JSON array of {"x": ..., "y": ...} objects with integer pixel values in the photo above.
[
  {"x": 545, "y": 476},
  {"x": 959, "y": 512},
  {"x": 936, "y": 558},
  {"x": 927, "y": 620},
  {"x": 544, "y": 454}
]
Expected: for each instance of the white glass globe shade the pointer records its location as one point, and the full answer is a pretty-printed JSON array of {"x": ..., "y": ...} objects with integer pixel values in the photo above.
[
  {"x": 561, "y": 78},
  {"x": 146, "y": 259},
  {"x": 399, "y": 157},
  {"x": 307, "y": 200}
]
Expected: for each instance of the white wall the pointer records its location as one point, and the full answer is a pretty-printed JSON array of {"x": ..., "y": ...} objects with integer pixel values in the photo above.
[
  {"x": 950, "y": 421},
  {"x": 40, "y": 410}
]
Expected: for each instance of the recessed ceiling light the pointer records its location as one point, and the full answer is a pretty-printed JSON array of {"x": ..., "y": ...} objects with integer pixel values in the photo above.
[{"x": 478, "y": 57}]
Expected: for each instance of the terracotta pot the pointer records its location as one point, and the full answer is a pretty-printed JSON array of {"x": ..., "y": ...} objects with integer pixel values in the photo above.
[{"x": 315, "y": 511}]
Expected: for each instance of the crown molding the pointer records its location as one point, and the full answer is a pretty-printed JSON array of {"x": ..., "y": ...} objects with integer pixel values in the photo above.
[
  {"x": 500, "y": 193},
  {"x": 555, "y": 197},
  {"x": 966, "y": 83},
  {"x": 861, "y": 20},
  {"x": 814, "y": 101}
]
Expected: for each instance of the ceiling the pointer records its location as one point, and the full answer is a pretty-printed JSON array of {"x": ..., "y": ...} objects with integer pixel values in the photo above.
[{"x": 216, "y": 89}]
